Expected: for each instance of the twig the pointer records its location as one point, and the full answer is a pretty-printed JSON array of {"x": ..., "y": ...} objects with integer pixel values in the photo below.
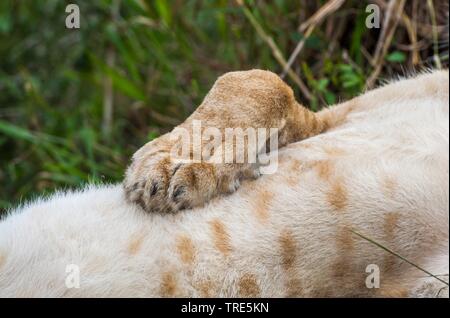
[
  {"x": 412, "y": 37},
  {"x": 367, "y": 55},
  {"x": 108, "y": 92},
  {"x": 415, "y": 55},
  {"x": 334, "y": 35},
  {"x": 392, "y": 16},
  {"x": 435, "y": 34},
  {"x": 328, "y": 8},
  {"x": 108, "y": 95},
  {"x": 399, "y": 256},
  {"x": 297, "y": 50},
  {"x": 275, "y": 50},
  {"x": 162, "y": 119},
  {"x": 346, "y": 57},
  {"x": 411, "y": 28}
]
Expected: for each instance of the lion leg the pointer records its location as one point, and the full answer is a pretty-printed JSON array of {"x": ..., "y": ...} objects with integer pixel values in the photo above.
[{"x": 246, "y": 102}]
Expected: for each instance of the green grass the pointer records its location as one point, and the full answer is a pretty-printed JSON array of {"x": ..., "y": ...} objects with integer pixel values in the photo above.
[{"x": 155, "y": 60}]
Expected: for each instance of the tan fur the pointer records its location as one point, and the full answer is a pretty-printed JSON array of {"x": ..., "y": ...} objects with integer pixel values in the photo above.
[
  {"x": 325, "y": 169},
  {"x": 261, "y": 205},
  {"x": 248, "y": 286},
  {"x": 337, "y": 196},
  {"x": 288, "y": 250},
  {"x": 391, "y": 221},
  {"x": 186, "y": 249},
  {"x": 135, "y": 243},
  {"x": 221, "y": 237},
  {"x": 289, "y": 257},
  {"x": 169, "y": 284},
  {"x": 205, "y": 288}
]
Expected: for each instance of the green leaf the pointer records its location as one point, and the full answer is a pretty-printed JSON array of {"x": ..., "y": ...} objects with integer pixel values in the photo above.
[
  {"x": 16, "y": 132},
  {"x": 120, "y": 81},
  {"x": 396, "y": 57},
  {"x": 164, "y": 11},
  {"x": 152, "y": 135},
  {"x": 330, "y": 98},
  {"x": 322, "y": 84},
  {"x": 125, "y": 53},
  {"x": 5, "y": 22}
]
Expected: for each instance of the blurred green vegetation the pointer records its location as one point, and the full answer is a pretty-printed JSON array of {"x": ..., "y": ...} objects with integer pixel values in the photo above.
[{"x": 75, "y": 104}]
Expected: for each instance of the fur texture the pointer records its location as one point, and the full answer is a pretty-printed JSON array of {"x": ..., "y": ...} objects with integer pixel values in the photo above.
[{"x": 382, "y": 171}]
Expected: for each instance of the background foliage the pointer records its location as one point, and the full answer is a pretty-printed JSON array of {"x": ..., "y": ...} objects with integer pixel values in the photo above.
[{"x": 75, "y": 104}]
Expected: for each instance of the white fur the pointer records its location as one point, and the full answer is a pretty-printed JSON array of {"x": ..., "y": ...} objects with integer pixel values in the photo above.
[{"x": 404, "y": 138}]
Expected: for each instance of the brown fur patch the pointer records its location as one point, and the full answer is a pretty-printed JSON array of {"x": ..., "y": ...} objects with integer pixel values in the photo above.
[
  {"x": 135, "y": 243},
  {"x": 206, "y": 288},
  {"x": 221, "y": 237},
  {"x": 261, "y": 205},
  {"x": 168, "y": 284},
  {"x": 248, "y": 286},
  {"x": 324, "y": 168},
  {"x": 337, "y": 196},
  {"x": 186, "y": 249},
  {"x": 390, "y": 224},
  {"x": 288, "y": 250},
  {"x": 345, "y": 238},
  {"x": 393, "y": 292},
  {"x": 289, "y": 256},
  {"x": 344, "y": 246}
]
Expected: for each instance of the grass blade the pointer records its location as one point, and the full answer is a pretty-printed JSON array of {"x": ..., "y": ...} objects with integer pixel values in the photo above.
[{"x": 398, "y": 255}]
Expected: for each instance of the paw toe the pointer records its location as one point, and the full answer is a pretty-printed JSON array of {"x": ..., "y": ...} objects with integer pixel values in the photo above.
[
  {"x": 154, "y": 188},
  {"x": 177, "y": 192}
]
